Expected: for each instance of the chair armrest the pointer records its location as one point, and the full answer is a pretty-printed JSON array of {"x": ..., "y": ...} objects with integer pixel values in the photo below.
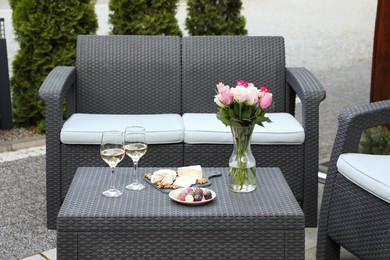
[{"x": 352, "y": 122}]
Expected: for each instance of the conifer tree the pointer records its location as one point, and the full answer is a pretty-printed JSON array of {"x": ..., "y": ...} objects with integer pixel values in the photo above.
[
  {"x": 144, "y": 17},
  {"x": 46, "y": 31},
  {"x": 215, "y": 17},
  {"x": 375, "y": 140}
]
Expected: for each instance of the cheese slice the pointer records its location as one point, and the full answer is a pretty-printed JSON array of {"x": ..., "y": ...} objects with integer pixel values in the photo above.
[
  {"x": 156, "y": 178},
  {"x": 168, "y": 179},
  {"x": 184, "y": 181},
  {"x": 194, "y": 171}
]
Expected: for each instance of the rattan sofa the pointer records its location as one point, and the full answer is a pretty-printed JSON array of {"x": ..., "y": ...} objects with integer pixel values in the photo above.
[
  {"x": 150, "y": 76},
  {"x": 355, "y": 207}
]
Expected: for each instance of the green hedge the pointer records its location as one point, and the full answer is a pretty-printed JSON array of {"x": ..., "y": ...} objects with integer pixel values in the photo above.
[
  {"x": 144, "y": 17},
  {"x": 46, "y": 32},
  {"x": 375, "y": 140},
  {"x": 215, "y": 17}
]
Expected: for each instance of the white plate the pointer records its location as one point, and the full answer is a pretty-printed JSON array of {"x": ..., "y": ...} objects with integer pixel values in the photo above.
[{"x": 203, "y": 201}]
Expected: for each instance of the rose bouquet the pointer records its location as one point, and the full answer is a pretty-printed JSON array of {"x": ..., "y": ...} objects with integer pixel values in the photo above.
[
  {"x": 243, "y": 105},
  {"x": 242, "y": 108}
]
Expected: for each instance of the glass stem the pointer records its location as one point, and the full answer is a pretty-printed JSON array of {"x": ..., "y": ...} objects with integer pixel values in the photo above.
[
  {"x": 112, "y": 178},
  {"x": 135, "y": 179}
]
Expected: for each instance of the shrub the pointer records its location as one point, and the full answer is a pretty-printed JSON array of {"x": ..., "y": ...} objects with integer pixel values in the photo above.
[
  {"x": 215, "y": 17},
  {"x": 46, "y": 32},
  {"x": 375, "y": 140},
  {"x": 144, "y": 17}
]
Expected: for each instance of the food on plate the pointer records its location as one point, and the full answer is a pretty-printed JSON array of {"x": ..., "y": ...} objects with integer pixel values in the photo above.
[
  {"x": 155, "y": 178},
  {"x": 194, "y": 171},
  {"x": 187, "y": 176},
  {"x": 189, "y": 198},
  {"x": 184, "y": 181},
  {"x": 192, "y": 194},
  {"x": 183, "y": 177},
  {"x": 207, "y": 194}
]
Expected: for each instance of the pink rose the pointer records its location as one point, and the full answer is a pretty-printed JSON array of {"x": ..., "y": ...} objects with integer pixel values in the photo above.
[
  {"x": 239, "y": 93},
  {"x": 225, "y": 95},
  {"x": 252, "y": 95},
  {"x": 265, "y": 99},
  {"x": 264, "y": 89},
  {"x": 220, "y": 86},
  {"x": 218, "y": 101},
  {"x": 242, "y": 83}
]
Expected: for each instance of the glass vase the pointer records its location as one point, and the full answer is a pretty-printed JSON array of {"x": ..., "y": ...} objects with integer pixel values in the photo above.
[{"x": 242, "y": 164}]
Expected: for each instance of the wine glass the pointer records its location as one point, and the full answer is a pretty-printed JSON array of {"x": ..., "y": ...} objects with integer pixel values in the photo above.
[
  {"x": 112, "y": 152},
  {"x": 135, "y": 148}
]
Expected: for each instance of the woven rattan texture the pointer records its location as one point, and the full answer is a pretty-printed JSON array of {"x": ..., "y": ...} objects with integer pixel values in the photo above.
[
  {"x": 53, "y": 91},
  {"x": 128, "y": 74},
  {"x": 101, "y": 87},
  {"x": 142, "y": 223},
  {"x": 208, "y": 60},
  {"x": 233, "y": 244},
  {"x": 368, "y": 237},
  {"x": 311, "y": 93},
  {"x": 350, "y": 217}
]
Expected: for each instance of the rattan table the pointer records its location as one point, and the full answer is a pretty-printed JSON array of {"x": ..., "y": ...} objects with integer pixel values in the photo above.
[{"x": 265, "y": 224}]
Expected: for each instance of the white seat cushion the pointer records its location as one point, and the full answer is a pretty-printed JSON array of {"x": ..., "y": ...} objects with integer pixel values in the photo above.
[
  {"x": 370, "y": 172},
  {"x": 88, "y": 128},
  {"x": 201, "y": 128}
]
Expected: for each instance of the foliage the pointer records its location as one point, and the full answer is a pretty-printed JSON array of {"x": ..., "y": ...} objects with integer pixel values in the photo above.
[
  {"x": 215, "y": 17},
  {"x": 144, "y": 17},
  {"x": 375, "y": 140},
  {"x": 46, "y": 31},
  {"x": 13, "y": 3}
]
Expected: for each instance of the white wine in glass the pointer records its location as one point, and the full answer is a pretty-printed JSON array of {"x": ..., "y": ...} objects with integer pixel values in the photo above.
[
  {"x": 112, "y": 152},
  {"x": 135, "y": 147}
]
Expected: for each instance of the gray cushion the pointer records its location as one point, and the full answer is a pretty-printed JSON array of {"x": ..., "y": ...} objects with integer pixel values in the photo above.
[
  {"x": 205, "y": 128},
  {"x": 370, "y": 172},
  {"x": 88, "y": 128}
]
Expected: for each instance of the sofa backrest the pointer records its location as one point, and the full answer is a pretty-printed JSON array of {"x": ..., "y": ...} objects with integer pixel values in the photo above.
[
  {"x": 127, "y": 74},
  {"x": 208, "y": 60}
]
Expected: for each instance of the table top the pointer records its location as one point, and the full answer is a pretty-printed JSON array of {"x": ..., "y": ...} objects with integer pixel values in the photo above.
[{"x": 272, "y": 204}]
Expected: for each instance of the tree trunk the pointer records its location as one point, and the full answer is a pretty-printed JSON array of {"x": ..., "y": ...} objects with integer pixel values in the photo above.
[{"x": 380, "y": 81}]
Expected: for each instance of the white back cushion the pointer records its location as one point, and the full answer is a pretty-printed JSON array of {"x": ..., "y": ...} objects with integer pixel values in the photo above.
[
  {"x": 370, "y": 172},
  {"x": 205, "y": 128},
  {"x": 88, "y": 128}
]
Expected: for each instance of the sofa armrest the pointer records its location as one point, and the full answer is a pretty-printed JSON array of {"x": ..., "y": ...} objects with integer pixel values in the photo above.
[
  {"x": 57, "y": 85},
  {"x": 309, "y": 90},
  {"x": 302, "y": 82},
  {"x": 311, "y": 93}
]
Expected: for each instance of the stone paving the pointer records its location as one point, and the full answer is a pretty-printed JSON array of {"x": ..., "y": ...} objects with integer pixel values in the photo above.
[{"x": 22, "y": 154}]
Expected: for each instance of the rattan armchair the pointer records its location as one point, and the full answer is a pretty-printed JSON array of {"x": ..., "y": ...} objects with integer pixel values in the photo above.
[{"x": 355, "y": 207}]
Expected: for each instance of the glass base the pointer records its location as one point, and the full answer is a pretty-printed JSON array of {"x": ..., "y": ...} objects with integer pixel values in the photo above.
[
  {"x": 112, "y": 193},
  {"x": 135, "y": 186},
  {"x": 244, "y": 188}
]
